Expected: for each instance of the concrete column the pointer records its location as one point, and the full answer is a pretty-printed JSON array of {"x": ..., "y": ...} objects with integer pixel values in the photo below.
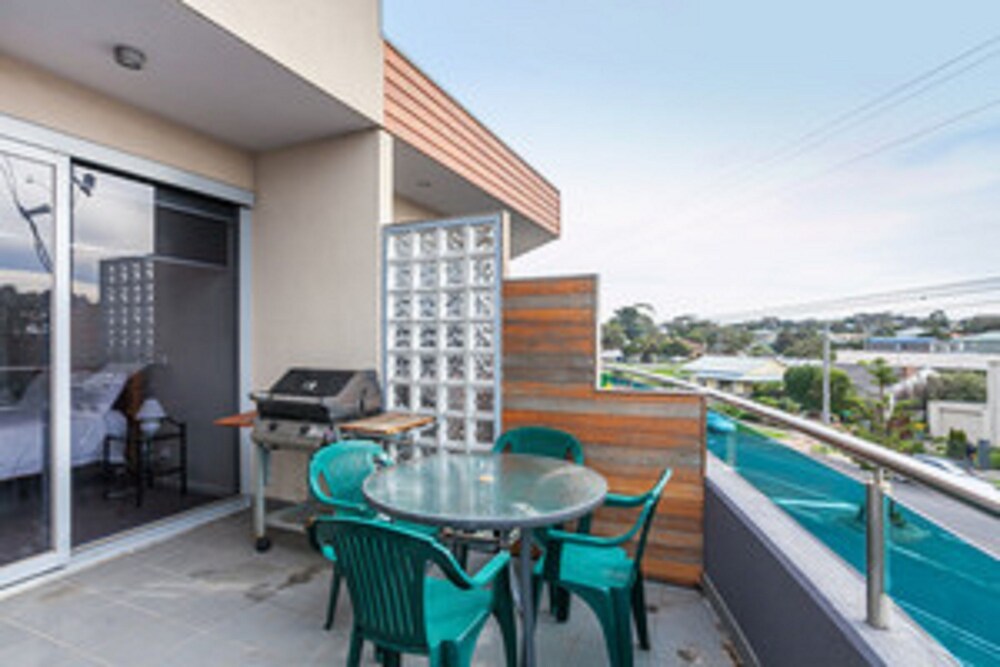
[{"x": 993, "y": 402}]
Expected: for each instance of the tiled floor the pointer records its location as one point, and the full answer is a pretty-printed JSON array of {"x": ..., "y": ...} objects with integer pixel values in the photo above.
[{"x": 206, "y": 598}]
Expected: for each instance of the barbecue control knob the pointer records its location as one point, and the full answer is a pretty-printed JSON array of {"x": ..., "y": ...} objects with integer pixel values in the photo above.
[
  {"x": 273, "y": 426},
  {"x": 303, "y": 430}
]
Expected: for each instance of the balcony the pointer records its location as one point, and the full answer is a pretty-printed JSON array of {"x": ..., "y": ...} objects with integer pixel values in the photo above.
[
  {"x": 733, "y": 578},
  {"x": 206, "y": 598}
]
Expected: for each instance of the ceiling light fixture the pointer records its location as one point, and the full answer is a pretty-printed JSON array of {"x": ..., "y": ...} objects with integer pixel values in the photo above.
[{"x": 130, "y": 57}]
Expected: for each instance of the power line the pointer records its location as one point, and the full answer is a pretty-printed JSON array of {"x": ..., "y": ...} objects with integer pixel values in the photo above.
[
  {"x": 885, "y": 101},
  {"x": 940, "y": 291},
  {"x": 891, "y": 99}
]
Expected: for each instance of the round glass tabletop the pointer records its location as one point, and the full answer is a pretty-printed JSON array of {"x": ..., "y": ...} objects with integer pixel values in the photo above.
[{"x": 486, "y": 491}]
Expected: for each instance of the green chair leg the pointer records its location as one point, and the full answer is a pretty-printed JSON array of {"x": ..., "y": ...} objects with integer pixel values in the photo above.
[
  {"x": 639, "y": 611},
  {"x": 623, "y": 609},
  {"x": 331, "y": 605},
  {"x": 559, "y": 602},
  {"x": 354, "y": 656}
]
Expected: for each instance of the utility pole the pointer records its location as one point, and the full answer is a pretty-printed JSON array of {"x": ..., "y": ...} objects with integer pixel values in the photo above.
[{"x": 826, "y": 373}]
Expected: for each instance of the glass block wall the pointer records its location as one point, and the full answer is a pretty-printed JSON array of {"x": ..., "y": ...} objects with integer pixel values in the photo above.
[{"x": 441, "y": 343}]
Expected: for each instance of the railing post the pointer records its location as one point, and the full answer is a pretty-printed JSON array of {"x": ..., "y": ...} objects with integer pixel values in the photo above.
[{"x": 878, "y": 608}]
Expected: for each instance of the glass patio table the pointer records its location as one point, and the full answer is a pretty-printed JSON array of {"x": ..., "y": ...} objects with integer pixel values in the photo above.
[{"x": 500, "y": 492}]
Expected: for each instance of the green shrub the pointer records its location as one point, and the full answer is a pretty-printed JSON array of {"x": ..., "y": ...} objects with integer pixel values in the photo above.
[{"x": 995, "y": 458}]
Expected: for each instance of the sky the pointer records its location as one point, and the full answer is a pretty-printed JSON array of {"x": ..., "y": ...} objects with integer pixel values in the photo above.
[{"x": 678, "y": 133}]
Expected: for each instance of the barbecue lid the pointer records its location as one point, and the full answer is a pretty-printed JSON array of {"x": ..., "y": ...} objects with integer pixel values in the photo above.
[{"x": 312, "y": 382}]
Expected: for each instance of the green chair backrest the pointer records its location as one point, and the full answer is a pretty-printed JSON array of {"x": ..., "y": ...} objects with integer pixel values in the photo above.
[
  {"x": 540, "y": 441},
  {"x": 337, "y": 471},
  {"x": 648, "y": 514},
  {"x": 385, "y": 566}
]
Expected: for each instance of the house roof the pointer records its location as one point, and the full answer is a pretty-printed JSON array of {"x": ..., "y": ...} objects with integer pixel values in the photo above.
[{"x": 732, "y": 368}]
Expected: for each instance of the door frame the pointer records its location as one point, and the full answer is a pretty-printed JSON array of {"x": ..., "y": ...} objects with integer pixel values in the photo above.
[{"x": 59, "y": 368}]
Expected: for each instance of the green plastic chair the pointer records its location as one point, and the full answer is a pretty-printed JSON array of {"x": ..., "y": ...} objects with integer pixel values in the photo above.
[
  {"x": 401, "y": 609},
  {"x": 336, "y": 474},
  {"x": 540, "y": 441},
  {"x": 600, "y": 571},
  {"x": 555, "y": 444}
]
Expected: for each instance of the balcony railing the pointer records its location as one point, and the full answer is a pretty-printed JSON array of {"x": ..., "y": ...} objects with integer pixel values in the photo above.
[{"x": 880, "y": 458}]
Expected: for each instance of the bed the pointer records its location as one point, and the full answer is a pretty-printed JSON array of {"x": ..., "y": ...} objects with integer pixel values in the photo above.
[{"x": 24, "y": 425}]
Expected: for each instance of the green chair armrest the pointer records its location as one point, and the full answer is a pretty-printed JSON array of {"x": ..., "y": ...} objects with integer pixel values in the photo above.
[
  {"x": 588, "y": 540},
  {"x": 620, "y": 500},
  {"x": 490, "y": 571}
]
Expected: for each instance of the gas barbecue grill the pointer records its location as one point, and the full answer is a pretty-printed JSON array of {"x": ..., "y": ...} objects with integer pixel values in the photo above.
[{"x": 301, "y": 411}]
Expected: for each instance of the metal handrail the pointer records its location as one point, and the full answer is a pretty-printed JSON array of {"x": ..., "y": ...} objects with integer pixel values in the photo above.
[
  {"x": 875, "y": 496},
  {"x": 875, "y": 454}
]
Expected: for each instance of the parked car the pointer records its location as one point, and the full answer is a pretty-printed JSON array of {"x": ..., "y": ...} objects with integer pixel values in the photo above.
[{"x": 956, "y": 469}]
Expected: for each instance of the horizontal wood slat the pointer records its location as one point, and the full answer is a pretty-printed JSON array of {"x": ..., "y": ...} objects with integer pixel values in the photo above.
[
  {"x": 419, "y": 112},
  {"x": 550, "y": 367}
]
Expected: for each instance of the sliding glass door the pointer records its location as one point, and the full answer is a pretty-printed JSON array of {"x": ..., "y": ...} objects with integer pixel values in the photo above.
[
  {"x": 33, "y": 492},
  {"x": 154, "y": 352}
]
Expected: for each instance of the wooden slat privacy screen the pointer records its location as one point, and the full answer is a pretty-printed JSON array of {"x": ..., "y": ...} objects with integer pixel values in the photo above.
[{"x": 549, "y": 379}]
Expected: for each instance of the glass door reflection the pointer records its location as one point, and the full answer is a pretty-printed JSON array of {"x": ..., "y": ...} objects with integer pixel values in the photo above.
[{"x": 27, "y": 222}]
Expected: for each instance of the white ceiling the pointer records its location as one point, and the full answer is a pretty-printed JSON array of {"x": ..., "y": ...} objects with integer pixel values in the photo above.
[
  {"x": 196, "y": 73},
  {"x": 428, "y": 183}
]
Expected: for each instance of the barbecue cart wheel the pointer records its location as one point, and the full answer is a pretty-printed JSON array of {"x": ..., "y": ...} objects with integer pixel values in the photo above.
[{"x": 262, "y": 544}]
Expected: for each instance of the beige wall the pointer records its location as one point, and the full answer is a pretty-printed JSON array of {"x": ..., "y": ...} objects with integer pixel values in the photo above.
[
  {"x": 407, "y": 210},
  {"x": 336, "y": 44},
  {"x": 316, "y": 266},
  {"x": 42, "y": 98}
]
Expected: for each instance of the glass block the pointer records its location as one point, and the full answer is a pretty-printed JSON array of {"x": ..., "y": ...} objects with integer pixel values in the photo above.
[
  {"x": 483, "y": 304},
  {"x": 402, "y": 306},
  {"x": 454, "y": 273},
  {"x": 482, "y": 368},
  {"x": 454, "y": 305},
  {"x": 483, "y": 237},
  {"x": 483, "y": 271},
  {"x": 402, "y": 337},
  {"x": 482, "y": 335},
  {"x": 427, "y": 306},
  {"x": 428, "y": 367},
  {"x": 428, "y": 398},
  {"x": 428, "y": 242},
  {"x": 428, "y": 336},
  {"x": 456, "y": 429},
  {"x": 402, "y": 367},
  {"x": 484, "y": 400},
  {"x": 401, "y": 245},
  {"x": 427, "y": 274},
  {"x": 401, "y": 276},
  {"x": 455, "y": 336},
  {"x": 484, "y": 432},
  {"x": 455, "y": 368},
  {"x": 455, "y": 239},
  {"x": 456, "y": 399},
  {"x": 401, "y": 396}
]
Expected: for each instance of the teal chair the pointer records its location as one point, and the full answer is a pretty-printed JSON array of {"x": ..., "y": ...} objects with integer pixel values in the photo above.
[
  {"x": 336, "y": 474},
  {"x": 400, "y": 608},
  {"x": 540, "y": 441},
  {"x": 600, "y": 571},
  {"x": 556, "y": 444}
]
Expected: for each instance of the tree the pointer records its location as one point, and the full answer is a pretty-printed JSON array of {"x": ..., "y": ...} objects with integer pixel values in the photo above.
[
  {"x": 801, "y": 343},
  {"x": 884, "y": 376},
  {"x": 967, "y": 386},
  {"x": 613, "y": 335},
  {"x": 804, "y": 385},
  {"x": 938, "y": 325}
]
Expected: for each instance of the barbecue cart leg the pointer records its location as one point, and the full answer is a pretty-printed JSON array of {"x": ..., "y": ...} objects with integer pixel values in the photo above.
[{"x": 263, "y": 463}]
